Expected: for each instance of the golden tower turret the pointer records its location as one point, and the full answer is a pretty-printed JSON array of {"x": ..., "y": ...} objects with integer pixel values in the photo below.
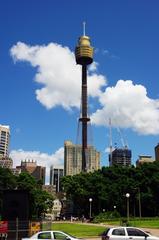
[
  {"x": 84, "y": 51},
  {"x": 84, "y": 57}
]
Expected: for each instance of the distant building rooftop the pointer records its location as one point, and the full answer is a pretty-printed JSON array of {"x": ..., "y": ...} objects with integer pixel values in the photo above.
[{"x": 144, "y": 159}]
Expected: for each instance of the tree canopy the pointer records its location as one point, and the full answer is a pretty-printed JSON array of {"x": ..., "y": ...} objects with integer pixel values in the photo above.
[
  {"x": 108, "y": 187},
  {"x": 40, "y": 200}
]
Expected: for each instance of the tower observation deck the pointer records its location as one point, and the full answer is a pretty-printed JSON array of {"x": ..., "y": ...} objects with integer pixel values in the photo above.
[{"x": 84, "y": 57}]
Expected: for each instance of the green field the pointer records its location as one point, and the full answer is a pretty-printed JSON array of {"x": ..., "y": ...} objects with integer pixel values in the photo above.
[
  {"x": 79, "y": 229},
  {"x": 145, "y": 223},
  {"x": 136, "y": 222},
  {"x": 82, "y": 230}
]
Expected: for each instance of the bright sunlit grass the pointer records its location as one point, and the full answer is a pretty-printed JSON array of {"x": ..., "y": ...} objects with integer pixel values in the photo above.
[
  {"x": 146, "y": 223},
  {"x": 82, "y": 230},
  {"x": 79, "y": 230}
]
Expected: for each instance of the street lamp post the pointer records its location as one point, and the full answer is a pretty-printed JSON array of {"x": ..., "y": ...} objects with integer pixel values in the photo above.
[
  {"x": 90, "y": 208},
  {"x": 127, "y": 196}
]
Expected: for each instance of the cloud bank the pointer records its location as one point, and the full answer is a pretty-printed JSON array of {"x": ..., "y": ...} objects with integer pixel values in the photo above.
[
  {"x": 58, "y": 74},
  {"x": 126, "y": 104},
  {"x": 43, "y": 159}
]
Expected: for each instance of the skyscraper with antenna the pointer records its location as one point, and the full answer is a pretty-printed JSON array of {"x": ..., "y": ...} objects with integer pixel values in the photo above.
[{"x": 84, "y": 57}]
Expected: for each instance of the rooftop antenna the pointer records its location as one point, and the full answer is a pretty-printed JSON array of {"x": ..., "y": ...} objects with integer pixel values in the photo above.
[{"x": 84, "y": 28}]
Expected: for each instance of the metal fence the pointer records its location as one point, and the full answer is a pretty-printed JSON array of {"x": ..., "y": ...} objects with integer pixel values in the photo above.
[{"x": 18, "y": 229}]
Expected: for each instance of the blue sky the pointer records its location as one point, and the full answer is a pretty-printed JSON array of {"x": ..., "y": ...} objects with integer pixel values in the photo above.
[{"x": 41, "y": 83}]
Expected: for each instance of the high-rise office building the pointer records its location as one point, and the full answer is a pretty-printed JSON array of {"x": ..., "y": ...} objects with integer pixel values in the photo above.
[
  {"x": 5, "y": 160},
  {"x": 56, "y": 173},
  {"x": 73, "y": 158},
  {"x": 4, "y": 140},
  {"x": 120, "y": 156}
]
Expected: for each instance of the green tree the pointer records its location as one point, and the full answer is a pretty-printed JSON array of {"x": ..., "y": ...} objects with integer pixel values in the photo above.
[
  {"x": 7, "y": 179},
  {"x": 40, "y": 200},
  {"x": 108, "y": 187}
]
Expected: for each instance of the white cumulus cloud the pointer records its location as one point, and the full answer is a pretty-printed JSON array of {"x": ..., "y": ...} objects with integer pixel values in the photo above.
[
  {"x": 59, "y": 78},
  {"x": 43, "y": 159},
  {"x": 128, "y": 106},
  {"x": 58, "y": 74}
]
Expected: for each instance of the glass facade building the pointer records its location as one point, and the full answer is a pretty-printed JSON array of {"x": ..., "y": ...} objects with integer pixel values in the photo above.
[{"x": 56, "y": 173}]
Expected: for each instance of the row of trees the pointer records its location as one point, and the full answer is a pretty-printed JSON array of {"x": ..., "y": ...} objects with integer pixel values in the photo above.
[
  {"x": 40, "y": 200},
  {"x": 108, "y": 187}
]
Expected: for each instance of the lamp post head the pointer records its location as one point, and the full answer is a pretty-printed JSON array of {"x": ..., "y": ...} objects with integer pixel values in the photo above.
[
  {"x": 90, "y": 199},
  {"x": 127, "y": 195}
]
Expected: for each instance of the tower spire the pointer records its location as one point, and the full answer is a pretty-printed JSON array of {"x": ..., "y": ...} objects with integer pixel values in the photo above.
[{"x": 84, "y": 28}]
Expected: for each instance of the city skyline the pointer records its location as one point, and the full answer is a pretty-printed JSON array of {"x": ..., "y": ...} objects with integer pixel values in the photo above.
[{"x": 41, "y": 83}]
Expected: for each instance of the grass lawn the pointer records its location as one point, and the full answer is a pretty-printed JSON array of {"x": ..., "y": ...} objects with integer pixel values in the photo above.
[
  {"x": 83, "y": 230},
  {"x": 79, "y": 229},
  {"x": 145, "y": 223}
]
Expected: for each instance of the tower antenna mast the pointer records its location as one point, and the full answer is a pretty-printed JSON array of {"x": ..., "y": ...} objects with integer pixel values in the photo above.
[{"x": 84, "y": 28}]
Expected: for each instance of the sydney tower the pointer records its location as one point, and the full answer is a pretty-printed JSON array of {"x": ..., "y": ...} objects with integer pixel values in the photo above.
[{"x": 84, "y": 57}]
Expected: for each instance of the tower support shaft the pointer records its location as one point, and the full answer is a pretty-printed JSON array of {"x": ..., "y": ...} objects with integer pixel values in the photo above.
[{"x": 84, "y": 118}]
